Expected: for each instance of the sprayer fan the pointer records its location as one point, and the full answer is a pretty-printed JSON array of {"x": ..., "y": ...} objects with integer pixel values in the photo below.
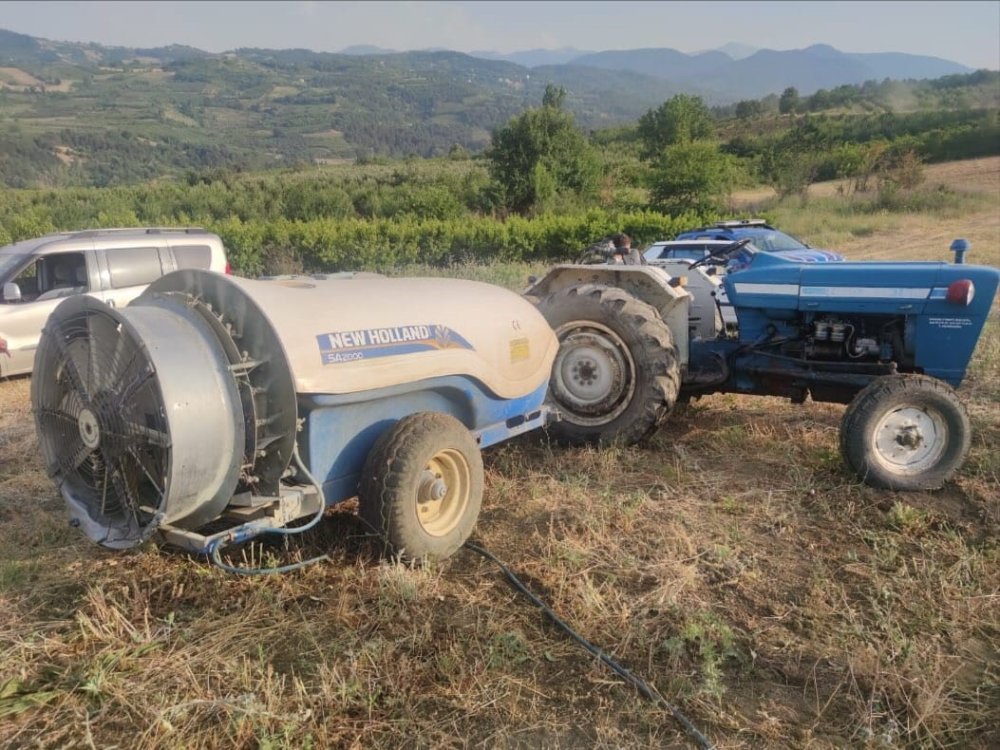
[
  {"x": 102, "y": 423},
  {"x": 139, "y": 416}
]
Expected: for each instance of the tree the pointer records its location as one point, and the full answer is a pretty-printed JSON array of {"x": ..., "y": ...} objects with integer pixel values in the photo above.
[
  {"x": 789, "y": 101},
  {"x": 790, "y": 169},
  {"x": 554, "y": 96},
  {"x": 749, "y": 109},
  {"x": 692, "y": 176},
  {"x": 681, "y": 119},
  {"x": 820, "y": 101},
  {"x": 540, "y": 154}
]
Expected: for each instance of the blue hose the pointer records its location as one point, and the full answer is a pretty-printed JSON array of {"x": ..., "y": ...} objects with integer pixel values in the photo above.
[{"x": 215, "y": 550}]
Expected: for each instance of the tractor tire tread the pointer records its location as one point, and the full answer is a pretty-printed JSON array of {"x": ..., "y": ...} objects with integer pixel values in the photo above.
[
  {"x": 854, "y": 443},
  {"x": 657, "y": 353}
]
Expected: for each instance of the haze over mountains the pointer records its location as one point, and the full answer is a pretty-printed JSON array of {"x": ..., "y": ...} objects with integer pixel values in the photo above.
[
  {"x": 732, "y": 72},
  {"x": 93, "y": 113}
]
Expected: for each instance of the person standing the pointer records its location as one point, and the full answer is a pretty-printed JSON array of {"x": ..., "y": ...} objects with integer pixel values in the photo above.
[{"x": 624, "y": 253}]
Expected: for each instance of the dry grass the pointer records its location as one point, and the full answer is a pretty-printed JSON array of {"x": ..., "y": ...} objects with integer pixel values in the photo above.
[
  {"x": 733, "y": 562},
  {"x": 956, "y": 199}
]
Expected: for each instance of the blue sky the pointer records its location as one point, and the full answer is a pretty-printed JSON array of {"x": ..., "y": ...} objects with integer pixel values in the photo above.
[{"x": 966, "y": 32}]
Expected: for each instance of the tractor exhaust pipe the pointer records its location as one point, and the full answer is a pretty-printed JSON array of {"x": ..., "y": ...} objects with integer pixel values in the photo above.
[{"x": 960, "y": 247}]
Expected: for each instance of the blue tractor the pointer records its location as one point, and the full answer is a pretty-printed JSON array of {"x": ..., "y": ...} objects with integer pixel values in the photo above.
[{"x": 891, "y": 340}]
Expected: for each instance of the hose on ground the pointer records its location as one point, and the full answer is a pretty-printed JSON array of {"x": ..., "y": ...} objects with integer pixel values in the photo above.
[{"x": 638, "y": 683}]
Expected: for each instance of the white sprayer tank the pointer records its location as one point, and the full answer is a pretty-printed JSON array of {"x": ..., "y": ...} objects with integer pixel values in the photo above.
[{"x": 162, "y": 411}]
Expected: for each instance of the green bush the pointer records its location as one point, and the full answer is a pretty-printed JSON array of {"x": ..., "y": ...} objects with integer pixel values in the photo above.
[{"x": 329, "y": 245}]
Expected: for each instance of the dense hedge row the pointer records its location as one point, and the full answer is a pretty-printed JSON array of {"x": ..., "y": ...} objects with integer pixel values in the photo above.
[
  {"x": 283, "y": 245},
  {"x": 352, "y": 244}
]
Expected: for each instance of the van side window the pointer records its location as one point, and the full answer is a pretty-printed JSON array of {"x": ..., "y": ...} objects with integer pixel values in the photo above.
[
  {"x": 60, "y": 275},
  {"x": 133, "y": 266},
  {"x": 193, "y": 256}
]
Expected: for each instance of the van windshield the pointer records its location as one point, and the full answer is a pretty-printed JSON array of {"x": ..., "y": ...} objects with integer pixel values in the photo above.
[{"x": 9, "y": 264}]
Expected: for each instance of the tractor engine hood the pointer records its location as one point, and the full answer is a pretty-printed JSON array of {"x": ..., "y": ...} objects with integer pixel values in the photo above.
[{"x": 911, "y": 288}]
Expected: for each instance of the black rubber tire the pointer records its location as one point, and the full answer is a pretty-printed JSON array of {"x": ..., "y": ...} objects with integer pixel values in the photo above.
[
  {"x": 391, "y": 484},
  {"x": 650, "y": 345},
  {"x": 881, "y": 398}
]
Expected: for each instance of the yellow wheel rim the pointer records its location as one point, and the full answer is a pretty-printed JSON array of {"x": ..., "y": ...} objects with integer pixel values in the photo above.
[{"x": 443, "y": 493}]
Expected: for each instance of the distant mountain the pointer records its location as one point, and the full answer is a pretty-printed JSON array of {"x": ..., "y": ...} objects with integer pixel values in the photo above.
[
  {"x": 659, "y": 63},
  {"x": 168, "y": 54},
  {"x": 725, "y": 79},
  {"x": 13, "y": 44},
  {"x": 817, "y": 67},
  {"x": 89, "y": 113},
  {"x": 736, "y": 50},
  {"x": 366, "y": 49},
  {"x": 901, "y": 66},
  {"x": 769, "y": 71},
  {"x": 533, "y": 58}
]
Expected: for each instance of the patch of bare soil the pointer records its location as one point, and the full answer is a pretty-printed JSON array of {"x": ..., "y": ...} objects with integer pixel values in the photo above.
[{"x": 18, "y": 77}]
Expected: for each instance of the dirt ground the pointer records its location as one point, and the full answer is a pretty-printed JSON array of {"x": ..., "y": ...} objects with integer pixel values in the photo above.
[{"x": 733, "y": 562}]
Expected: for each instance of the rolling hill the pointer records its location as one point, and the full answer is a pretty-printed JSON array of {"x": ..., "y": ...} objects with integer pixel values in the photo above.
[{"x": 86, "y": 113}]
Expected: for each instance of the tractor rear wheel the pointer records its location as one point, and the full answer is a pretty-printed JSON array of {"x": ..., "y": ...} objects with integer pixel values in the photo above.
[
  {"x": 616, "y": 374},
  {"x": 905, "y": 432},
  {"x": 422, "y": 486}
]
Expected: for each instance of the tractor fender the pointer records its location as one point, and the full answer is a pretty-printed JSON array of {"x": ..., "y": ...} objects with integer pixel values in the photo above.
[{"x": 650, "y": 284}]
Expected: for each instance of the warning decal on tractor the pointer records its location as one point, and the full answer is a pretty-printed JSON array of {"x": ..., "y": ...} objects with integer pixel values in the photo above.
[{"x": 368, "y": 343}]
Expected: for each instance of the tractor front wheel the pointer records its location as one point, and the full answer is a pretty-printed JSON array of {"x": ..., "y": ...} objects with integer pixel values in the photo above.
[
  {"x": 905, "y": 432},
  {"x": 616, "y": 374},
  {"x": 422, "y": 486}
]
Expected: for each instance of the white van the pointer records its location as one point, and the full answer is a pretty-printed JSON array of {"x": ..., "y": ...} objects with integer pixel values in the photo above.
[{"x": 114, "y": 265}]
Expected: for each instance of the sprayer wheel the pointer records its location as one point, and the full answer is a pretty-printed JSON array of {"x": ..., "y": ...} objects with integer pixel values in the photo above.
[{"x": 422, "y": 486}]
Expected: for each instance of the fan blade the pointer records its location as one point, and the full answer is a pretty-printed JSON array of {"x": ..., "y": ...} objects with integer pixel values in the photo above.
[
  {"x": 132, "y": 430},
  {"x": 58, "y": 414},
  {"x": 149, "y": 476},
  {"x": 68, "y": 365},
  {"x": 104, "y": 490},
  {"x": 126, "y": 394},
  {"x": 120, "y": 480},
  {"x": 101, "y": 330},
  {"x": 117, "y": 367},
  {"x": 108, "y": 342},
  {"x": 92, "y": 365},
  {"x": 153, "y": 436},
  {"x": 80, "y": 456}
]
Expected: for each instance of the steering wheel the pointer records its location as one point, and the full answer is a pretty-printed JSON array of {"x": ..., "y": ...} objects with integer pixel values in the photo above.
[
  {"x": 595, "y": 253},
  {"x": 722, "y": 253}
]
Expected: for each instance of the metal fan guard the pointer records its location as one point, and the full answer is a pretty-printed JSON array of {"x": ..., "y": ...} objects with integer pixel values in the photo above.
[{"x": 138, "y": 415}]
